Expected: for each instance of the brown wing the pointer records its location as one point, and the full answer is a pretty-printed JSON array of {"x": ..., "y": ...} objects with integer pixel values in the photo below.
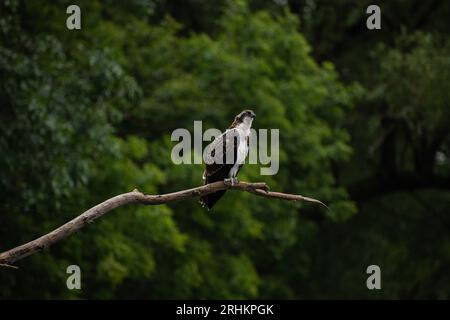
[{"x": 217, "y": 168}]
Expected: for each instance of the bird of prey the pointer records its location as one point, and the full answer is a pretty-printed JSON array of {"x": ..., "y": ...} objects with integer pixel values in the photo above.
[{"x": 226, "y": 154}]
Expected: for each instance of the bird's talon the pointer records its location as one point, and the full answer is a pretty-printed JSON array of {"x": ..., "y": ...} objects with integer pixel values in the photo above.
[{"x": 230, "y": 181}]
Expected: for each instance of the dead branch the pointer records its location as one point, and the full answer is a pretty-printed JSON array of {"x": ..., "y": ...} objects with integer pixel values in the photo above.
[{"x": 7, "y": 258}]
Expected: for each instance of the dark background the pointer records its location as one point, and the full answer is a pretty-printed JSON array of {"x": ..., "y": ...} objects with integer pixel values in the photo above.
[{"x": 364, "y": 119}]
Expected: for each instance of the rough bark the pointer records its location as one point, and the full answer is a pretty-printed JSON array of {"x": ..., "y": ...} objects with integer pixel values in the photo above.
[{"x": 137, "y": 197}]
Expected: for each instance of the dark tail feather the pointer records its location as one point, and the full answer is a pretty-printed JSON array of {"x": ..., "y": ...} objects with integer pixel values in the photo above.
[{"x": 210, "y": 199}]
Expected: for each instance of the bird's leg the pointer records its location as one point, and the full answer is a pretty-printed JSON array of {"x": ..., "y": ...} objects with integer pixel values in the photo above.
[{"x": 231, "y": 181}]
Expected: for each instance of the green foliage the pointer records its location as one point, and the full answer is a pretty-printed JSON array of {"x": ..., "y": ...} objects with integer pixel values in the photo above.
[
  {"x": 413, "y": 81},
  {"x": 88, "y": 114},
  {"x": 398, "y": 173}
]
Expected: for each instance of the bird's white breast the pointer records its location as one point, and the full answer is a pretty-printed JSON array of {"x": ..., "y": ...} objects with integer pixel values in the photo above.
[
  {"x": 244, "y": 132},
  {"x": 242, "y": 150}
]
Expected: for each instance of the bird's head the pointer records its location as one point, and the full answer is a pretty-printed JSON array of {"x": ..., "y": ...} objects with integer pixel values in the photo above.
[{"x": 244, "y": 118}]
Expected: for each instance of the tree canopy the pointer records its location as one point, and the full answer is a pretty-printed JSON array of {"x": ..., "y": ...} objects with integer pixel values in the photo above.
[{"x": 364, "y": 126}]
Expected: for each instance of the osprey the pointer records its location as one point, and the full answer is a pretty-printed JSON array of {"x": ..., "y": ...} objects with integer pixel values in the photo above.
[{"x": 225, "y": 156}]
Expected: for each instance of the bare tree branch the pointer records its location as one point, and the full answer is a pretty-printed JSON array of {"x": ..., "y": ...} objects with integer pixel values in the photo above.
[{"x": 135, "y": 196}]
